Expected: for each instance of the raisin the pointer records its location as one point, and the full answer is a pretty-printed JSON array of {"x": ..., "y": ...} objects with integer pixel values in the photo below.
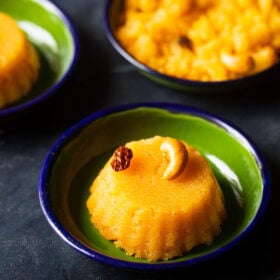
[
  {"x": 121, "y": 158},
  {"x": 185, "y": 42}
]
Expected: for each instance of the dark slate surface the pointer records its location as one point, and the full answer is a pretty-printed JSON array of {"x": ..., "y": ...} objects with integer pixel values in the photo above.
[{"x": 30, "y": 249}]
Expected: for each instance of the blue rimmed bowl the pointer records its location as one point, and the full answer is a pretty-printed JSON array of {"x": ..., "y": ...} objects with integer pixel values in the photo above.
[
  {"x": 77, "y": 156},
  {"x": 53, "y": 35},
  {"x": 113, "y": 18}
]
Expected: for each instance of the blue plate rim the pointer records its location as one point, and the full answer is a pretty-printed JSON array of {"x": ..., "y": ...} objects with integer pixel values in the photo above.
[
  {"x": 206, "y": 85},
  {"x": 24, "y": 106},
  {"x": 140, "y": 266}
]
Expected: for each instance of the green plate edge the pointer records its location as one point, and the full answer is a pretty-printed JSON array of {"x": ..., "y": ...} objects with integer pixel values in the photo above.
[
  {"x": 45, "y": 28},
  {"x": 81, "y": 159}
]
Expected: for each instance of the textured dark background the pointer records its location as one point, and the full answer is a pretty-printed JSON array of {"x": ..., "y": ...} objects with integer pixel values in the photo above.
[{"x": 30, "y": 249}]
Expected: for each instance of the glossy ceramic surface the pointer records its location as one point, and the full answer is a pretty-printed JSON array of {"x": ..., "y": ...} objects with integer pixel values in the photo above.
[
  {"x": 75, "y": 159},
  {"x": 112, "y": 9},
  {"x": 51, "y": 32}
]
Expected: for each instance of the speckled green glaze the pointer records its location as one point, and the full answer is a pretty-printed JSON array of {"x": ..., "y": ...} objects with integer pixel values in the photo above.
[{"x": 80, "y": 159}]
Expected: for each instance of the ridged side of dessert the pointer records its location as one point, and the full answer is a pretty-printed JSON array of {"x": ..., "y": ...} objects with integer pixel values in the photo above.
[
  {"x": 151, "y": 217},
  {"x": 19, "y": 62}
]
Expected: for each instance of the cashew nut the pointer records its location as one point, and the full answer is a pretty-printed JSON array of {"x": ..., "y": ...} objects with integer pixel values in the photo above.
[
  {"x": 237, "y": 63},
  {"x": 178, "y": 157},
  {"x": 264, "y": 57}
]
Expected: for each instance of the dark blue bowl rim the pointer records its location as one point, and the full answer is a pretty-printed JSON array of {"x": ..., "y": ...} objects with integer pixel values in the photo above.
[
  {"x": 24, "y": 106},
  {"x": 227, "y": 84},
  {"x": 174, "y": 108}
]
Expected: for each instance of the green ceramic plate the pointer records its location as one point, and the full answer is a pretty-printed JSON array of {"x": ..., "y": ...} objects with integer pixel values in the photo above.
[
  {"x": 51, "y": 32},
  {"x": 76, "y": 158}
]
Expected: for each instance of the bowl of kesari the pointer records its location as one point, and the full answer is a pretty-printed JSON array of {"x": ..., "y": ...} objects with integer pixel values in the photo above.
[
  {"x": 197, "y": 46},
  {"x": 38, "y": 51},
  {"x": 153, "y": 186}
]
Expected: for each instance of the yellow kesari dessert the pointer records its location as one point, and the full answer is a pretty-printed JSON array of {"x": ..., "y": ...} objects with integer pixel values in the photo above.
[
  {"x": 19, "y": 62},
  {"x": 203, "y": 40},
  {"x": 157, "y": 198}
]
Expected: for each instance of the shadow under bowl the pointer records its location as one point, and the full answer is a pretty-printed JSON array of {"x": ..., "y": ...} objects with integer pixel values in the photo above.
[{"x": 78, "y": 155}]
